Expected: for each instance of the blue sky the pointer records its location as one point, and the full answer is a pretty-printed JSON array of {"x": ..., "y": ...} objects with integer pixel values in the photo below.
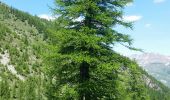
[
  {"x": 37, "y": 7},
  {"x": 151, "y": 22}
]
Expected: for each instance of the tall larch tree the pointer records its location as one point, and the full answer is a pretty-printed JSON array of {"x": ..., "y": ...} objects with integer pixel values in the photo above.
[{"x": 85, "y": 66}]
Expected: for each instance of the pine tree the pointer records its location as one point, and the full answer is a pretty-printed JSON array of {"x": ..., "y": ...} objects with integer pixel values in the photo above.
[{"x": 85, "y": 67}]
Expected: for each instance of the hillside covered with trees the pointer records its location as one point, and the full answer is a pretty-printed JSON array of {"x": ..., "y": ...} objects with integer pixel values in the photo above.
[{"x": 70, "y": 59}]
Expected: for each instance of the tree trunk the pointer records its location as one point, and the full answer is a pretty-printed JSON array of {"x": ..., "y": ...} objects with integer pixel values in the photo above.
[{"x": 84, "y": 76}]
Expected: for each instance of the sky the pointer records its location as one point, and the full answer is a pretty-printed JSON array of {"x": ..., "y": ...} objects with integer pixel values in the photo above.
[{"x": 151, "y": 31}]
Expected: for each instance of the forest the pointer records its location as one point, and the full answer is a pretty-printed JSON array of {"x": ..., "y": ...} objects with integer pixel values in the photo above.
[{"x": 71, "y": 59}]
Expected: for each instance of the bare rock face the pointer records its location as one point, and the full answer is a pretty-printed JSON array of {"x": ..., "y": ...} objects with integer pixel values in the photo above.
[{"x": 5, "y": 60}]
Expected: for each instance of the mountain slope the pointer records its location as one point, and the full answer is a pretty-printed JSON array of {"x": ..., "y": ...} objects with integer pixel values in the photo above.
[
  {"x": 23, "y": 40},
  {"x": 156, "y": 65},
  {"x": 20, "y": 62}
]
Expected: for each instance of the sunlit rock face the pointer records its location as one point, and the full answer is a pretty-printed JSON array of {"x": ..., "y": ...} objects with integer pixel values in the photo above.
[{"x": 5, "y": 61}]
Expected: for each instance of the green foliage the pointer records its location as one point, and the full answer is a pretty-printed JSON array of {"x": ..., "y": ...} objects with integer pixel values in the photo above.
[
  {"x": 17, "y": 37},
  {"x": 3, "y": 31},
  {"x": 73, "y": 46},
  {"x": 161, "y": 92},
  {"x": 5, "y": 90},
  {"x": 83, "y": 60}
]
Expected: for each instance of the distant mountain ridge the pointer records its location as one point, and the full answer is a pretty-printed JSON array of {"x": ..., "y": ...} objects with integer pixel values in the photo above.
[
  {"x": 156, "y": 65},
  {"x": 148, "y": 58}
]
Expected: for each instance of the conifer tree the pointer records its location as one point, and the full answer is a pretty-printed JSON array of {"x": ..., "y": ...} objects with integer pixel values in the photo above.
[{"x": 85, "y": 67}]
